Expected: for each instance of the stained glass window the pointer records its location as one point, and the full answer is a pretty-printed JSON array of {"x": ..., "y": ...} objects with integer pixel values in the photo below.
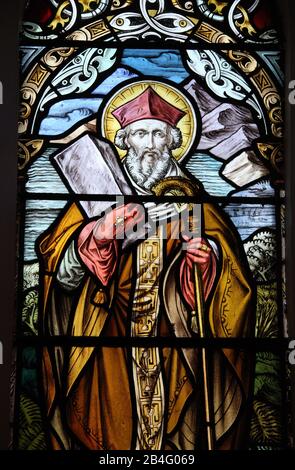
[{"x": 151, "y": 227}]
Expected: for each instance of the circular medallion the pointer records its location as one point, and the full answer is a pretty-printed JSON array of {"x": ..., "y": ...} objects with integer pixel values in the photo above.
[{"x": 187, "y": 124}]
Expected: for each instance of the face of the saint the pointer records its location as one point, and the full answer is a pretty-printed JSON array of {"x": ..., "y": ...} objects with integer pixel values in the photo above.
[{"x": 149, "y": 138}]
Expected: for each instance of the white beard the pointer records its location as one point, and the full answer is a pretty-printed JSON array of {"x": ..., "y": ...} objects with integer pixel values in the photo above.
[{"x": 144, "y": 173}]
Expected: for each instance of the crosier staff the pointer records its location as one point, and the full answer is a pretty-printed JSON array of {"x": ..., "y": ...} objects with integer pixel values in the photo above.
[
  {"x": 199, "y": 296},
  {"x": 180, "y": 186}
]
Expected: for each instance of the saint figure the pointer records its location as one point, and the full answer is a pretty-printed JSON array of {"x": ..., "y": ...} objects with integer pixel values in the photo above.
[{"x": 101, "y": 280}]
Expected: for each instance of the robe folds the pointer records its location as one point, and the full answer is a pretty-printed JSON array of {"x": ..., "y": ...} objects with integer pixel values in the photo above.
[{"x": 88, "y": 391}]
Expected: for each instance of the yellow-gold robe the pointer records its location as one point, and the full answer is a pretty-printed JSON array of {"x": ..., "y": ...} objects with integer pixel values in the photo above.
[{"x": 89, "y": 393}]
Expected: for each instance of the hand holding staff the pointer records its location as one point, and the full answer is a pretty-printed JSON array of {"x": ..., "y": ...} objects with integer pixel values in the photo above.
[{"x": 181, "y": 186}]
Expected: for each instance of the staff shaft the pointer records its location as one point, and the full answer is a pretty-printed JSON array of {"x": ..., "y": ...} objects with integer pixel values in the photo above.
[{"x": 201, "y": 327}]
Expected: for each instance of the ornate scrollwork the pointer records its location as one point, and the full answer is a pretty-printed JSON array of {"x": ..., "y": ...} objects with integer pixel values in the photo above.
[
  {"x": 224, "y": 81},
  {"x": 273, "y": 153},
  {"x": 68, "y": 14},
  {"x": 216, "y": 14},
  {"x": 245, "y": 23},
  {"x": 265, "y": 87},
  {"x": 61, "y": 18},
  {"x": 116, "y": 4},
  {"x": 245, "y": 61},
  {"x": 271, "y": 99},
  {"x": 36, "y": 79},
  {"x": 27, "y": 149},
  {"x": 210, "y": 34},
  {"x": 183, "y": 5},
  {"x": 78, "y": 75},
  {"x": 55, "y": 57},
  {"x": 91, "y": 32},
  {"x": 152, "y": 19},
  {"x": 29, "y": 91},
  {"x": 237, "y": 16},
  {"x": 222, "y": 78},
  {"x": 90, "y": 8}
]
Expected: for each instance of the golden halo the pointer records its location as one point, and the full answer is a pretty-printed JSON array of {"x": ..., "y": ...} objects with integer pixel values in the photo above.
[{"x": 187, "y": 124}]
